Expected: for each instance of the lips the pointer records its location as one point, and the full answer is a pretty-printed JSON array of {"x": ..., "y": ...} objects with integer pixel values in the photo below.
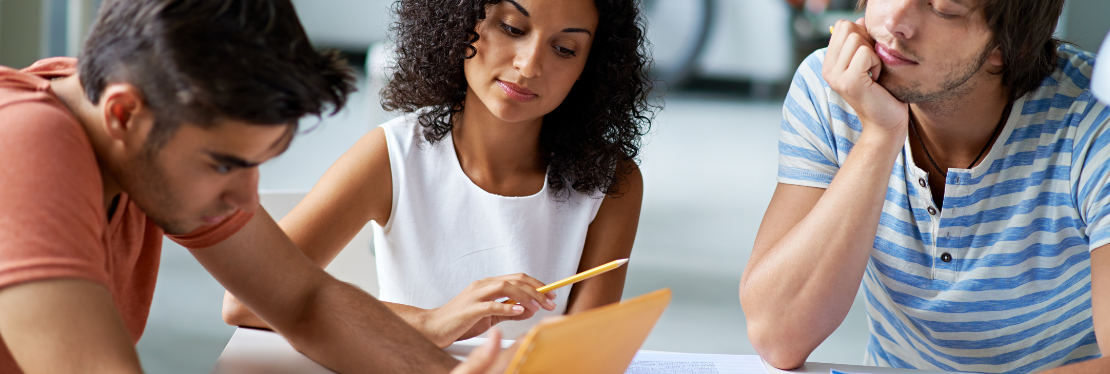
[
  {"x": 516, "y": 92},
  {"x": 892, "y": 57}
]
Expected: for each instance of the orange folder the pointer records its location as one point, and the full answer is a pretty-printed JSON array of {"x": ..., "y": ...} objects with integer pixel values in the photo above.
[{"x": 599, "y": 341}]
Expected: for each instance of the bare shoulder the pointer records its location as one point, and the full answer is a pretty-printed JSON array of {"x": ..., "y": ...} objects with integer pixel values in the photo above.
[
  {"x": 625, "y": 199},
  {"x": 629, "y": 182},
  {"x": 357, "y": 188},
  {"x": 363, "y": 167}
]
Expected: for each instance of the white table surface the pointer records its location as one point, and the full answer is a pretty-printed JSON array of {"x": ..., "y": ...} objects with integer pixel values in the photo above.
[{"x": 253, "y": 351}]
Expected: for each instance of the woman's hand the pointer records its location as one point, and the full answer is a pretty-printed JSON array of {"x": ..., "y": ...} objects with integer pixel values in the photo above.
[
  {"x": 852, "y": 69},
  {"x": 476, "y": 309}
]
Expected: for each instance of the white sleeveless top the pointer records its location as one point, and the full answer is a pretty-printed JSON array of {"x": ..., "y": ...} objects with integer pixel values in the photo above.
[{"x": 445, "y": 232}]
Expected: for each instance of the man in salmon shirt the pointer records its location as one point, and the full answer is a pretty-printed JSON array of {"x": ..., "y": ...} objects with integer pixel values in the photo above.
[{"x": 159, "y": 129}]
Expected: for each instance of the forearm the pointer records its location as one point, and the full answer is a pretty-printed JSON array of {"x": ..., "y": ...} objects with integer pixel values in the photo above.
[
  {"x": 419, "y": 319},
  {"x": 347, "y": 330},
  {"x": 797, "y": 289}
]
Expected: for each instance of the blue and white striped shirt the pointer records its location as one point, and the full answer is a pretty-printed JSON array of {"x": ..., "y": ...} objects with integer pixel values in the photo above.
[{"x": 1016, "y": 293}]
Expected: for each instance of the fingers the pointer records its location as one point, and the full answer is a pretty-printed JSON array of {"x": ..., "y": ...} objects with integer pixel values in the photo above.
[
  {"x": 521, "y": 277},
  {"x": 533, "y": 282},
  {"x": 481, "y": 359},
  {"x": 520, "y": 288},
  {"x": 846, "y": 39},
  {"x": 832, "y": 54},
  {"x": 854, "y": 41},
  {"x": 863, "y": 27},
  {"x": 865, "y": 61},
  {"x": 493, "y": 308},
  {"x": 522, "y": 293}
]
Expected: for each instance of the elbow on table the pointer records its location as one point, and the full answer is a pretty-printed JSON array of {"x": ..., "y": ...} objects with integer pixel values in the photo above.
[
  {"x": 775, "y": 349},
  {"x": 235, "y": 313}
]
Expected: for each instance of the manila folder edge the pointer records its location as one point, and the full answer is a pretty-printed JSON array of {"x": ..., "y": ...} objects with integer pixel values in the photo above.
[{"x": 599, "y": 341}]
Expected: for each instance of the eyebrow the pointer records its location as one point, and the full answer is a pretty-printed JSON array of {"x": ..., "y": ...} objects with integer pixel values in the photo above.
[
  {"x": 579, "y": 30},
  {"x": 525, "y": 13},
  {"x": 232, "y": 160},
  {"x": 519, "y": 8}
]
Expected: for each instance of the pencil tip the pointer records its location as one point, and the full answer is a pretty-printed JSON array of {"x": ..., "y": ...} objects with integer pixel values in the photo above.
[{"x": 623, "y": 261}]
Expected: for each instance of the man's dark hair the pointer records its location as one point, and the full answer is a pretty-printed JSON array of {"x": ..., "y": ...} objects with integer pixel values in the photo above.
[
  {"x": 1022, "y": 29},
  {"x": 199, "y": 61}
]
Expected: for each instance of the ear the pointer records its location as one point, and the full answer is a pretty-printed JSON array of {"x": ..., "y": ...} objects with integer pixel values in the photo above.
[
  {"x": 994, "y": 59},
  {"x": 126, "y": 116}
]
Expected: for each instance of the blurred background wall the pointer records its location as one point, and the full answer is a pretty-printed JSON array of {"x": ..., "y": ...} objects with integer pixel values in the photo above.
[{"x": 709, "y": 163}]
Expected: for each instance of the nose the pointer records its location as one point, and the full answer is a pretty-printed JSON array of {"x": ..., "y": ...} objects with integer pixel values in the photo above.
[
  {"x": 528, "y": 58},
  {"x": 899, "y": 20},
  {"x": 242, "y": 192}
]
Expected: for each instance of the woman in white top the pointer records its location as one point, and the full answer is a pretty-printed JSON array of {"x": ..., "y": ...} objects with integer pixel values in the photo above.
[{"x": 517, "y": 156}]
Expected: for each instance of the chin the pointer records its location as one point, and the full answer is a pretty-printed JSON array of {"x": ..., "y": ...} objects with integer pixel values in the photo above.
[
  {"x": 176, "y": 227},
  {"x": 514, "y": 113}
]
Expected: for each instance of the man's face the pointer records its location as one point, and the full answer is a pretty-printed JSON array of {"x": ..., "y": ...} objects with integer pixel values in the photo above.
[
  {"x": 931, "y": 49},
  {"x": 201, "y": 175}
]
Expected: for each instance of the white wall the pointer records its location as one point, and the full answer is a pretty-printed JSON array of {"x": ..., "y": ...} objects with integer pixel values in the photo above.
[{"x": 346, "y": 24}]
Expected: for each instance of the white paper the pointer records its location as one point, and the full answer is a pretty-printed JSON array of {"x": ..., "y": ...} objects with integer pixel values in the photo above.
[{"x": 653, "y": 362}]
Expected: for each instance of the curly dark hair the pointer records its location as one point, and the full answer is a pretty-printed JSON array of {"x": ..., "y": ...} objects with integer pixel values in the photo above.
[{"x": 590, "y": 141}]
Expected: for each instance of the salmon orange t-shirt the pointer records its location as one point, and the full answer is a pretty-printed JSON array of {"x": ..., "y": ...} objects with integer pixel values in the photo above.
[{"x": 53, "y": 222}]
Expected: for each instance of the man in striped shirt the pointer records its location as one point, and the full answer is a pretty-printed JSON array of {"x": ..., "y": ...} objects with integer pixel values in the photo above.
[{"x": 949, "y": 156}]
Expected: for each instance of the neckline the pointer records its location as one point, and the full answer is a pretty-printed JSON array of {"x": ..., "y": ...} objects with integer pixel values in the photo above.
[
  {"x": 996, "y": 147},
  {"x": 117, "y": 215},
  {"x": 453, "y": 153}
]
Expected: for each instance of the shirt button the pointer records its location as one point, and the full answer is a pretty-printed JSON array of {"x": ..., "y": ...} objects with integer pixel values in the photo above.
[
  {"x": 946, "y": 257},
  {"x": 921, "y": 181},
  {"x": 932, "y": 211}
]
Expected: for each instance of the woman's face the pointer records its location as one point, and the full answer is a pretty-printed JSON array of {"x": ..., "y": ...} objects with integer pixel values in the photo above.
[{"x": 530, "y": 53}]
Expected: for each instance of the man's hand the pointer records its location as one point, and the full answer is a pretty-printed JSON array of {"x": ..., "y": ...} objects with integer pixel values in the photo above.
[
  {"x": 476, "y": 309},
  {"x": 487, "y": 359},
  {"x": 852, "y": 69}
]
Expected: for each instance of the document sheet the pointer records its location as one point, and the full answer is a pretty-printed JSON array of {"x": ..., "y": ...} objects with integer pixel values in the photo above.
[{"x": 652, "y": 362}]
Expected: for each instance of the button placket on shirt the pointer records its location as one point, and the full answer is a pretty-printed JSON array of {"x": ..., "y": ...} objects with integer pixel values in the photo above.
[
  {"x": 946, "y": 257},
  {"x": 924, "y": 195}
]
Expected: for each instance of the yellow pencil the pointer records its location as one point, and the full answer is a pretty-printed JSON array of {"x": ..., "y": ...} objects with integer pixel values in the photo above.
[
  {"x": 578, "y": 277},
  {"x": 831, "y": 28}
]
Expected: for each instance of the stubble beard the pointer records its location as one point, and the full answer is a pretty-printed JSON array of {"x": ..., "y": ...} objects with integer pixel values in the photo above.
[
  {"x": 149, "y": 189},
  {"x": 953, "y": 91}
]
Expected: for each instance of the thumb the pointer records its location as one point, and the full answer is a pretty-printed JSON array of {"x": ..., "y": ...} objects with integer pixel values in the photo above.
[{"x": 482, "y": 358}]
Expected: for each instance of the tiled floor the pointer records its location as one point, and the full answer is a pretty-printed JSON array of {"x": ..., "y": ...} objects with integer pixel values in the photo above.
[{"x": 709, "y": 170}]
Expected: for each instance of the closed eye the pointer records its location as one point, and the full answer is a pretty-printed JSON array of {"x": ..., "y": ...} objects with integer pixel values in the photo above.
[
  {"x": 944, "y": 15},
  {"x": 223, "y": 169},
  {"x": 940, "y": 14},
  {"x": 511, "y": 30},
  {"x": 565, "y": 52}
]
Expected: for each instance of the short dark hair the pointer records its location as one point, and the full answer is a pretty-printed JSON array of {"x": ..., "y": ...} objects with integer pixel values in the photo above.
[
  {"x": 204, "y": 60},
  {"x": 589, "y": 141},
  {"x": 1022, "y": 29}
]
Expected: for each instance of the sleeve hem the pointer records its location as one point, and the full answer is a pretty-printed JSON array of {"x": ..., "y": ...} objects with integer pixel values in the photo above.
[
  {"x": 803, "y": 183},
  {"x": 30, "y": 272}
]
